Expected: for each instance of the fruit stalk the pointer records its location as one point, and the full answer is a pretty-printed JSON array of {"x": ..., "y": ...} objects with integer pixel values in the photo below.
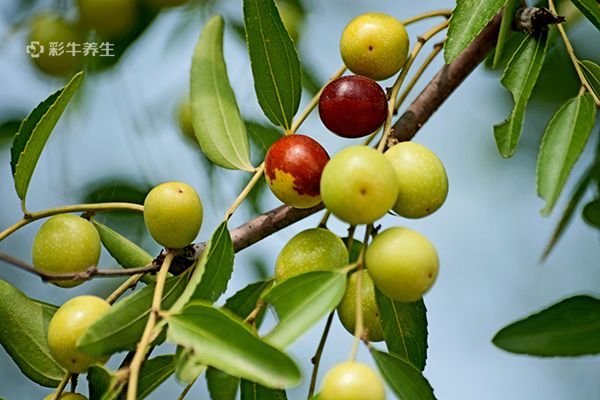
[
  {"x": 317, "y": 357},
  {"x": 426, "y": 15},
  {"x": 89, "y": 208},
  {"x": 358, "y": 327},
  {"x": 142, "y": 347},
  {"x": 61, "y": 386}
]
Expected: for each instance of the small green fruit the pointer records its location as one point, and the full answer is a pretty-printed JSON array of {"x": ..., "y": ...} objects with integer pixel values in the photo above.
[
  {"x": 370, "y": 313},
  {"x": 374, "y": 45},
  {"x": 173, "y": 214},
  {"x": 47, "y": 28},
  {"x": 184, "y": 117},
  {"x": 352, "y": 381},
  {"x": 66, "y": 244},
  {"x": 422, "y": 179},
  {"x": 110, "y": 18},
  {"x": 67, "y": 396},
  {"x": 68, "y": 324},
  {"x": 315, "y": 249},
  {"x": 359, "y": 185},
  {"x": 402, "y": 263}
]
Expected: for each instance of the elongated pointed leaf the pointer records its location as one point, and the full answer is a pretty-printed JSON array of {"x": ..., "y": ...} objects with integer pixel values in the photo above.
[
  {"x": 103, "y": 384},
  {"x": 221, "y": 385},
  {"x": 212, "y": 271},
  {"x": 220, "y": 339},
  {"x": 153, "y": 373},
  {"x": 568, "y": 328},
  {"x": 216, "y": 116},
  {"x": 590, "y": 9},
  {"x": 24, "y": 333},
  {"x": 301, "y": 301},
  {"x": 123, "y": 250},
  {"x": 244, "y": 301},
  {"x": 274, "y": 61},
  {"x": 564, "y": 140},
  {"x": 520, "y": 77},
  {"x": 121, "y": 328},
  {"x": 404, "y": 328},
  {"x": 402, "y": 377},
  {"x": 468, "y": 20},
  {"x": 591, "y": 70},
  {"x": 34, "y": 133},
  {"x": 254, "y": 391},
  {"x": 505, "y": 29},
  {"x": 567, "y": 215}
]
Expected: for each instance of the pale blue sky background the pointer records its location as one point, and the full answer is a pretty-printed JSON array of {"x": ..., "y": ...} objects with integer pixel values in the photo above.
[{"x": 489, "y": 234}]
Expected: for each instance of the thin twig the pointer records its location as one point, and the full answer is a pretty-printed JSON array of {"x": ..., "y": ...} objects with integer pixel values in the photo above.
[
  {"x": 118, "y": 292},
  {"x": 187, "y": 389},
  {"x": 61, "y": 386},
  {"x": 358, "y": 323},
  {"x": 316, "y": 360},
  {"x": 437, "y": 13}
]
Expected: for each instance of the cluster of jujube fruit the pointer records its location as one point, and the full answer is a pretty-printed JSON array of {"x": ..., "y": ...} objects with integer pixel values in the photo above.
[{"x": 359, "y": 185}]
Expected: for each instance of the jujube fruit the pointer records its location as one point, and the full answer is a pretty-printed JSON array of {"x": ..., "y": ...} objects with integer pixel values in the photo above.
[
  {"x": 184, "y": 119},
  {"x": 49, "y": 28},
  {"x": 347, "y": 308},
  {"x": 353, "y": 106},
  {"x": 66, "y": 243},
  {"x": 352, "y": 381},
  {"x": 422, "y": 179},
  {"x": 67, "y": 396},
  {"x": 315, "y": 249},
  {"x": 359, "y": 185},
  {"x": 374, "y": 45},
  {"x": 111, "y": 18},
  {"x": 293, "y": 168},
  {"x": 68, "y": 324},
  {"x": 173, "y": 214},
  {"x": 402, "y": 263}
]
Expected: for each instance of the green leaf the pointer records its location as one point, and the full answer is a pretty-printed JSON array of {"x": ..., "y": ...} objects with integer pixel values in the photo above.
[
  {"x": 569, "y": 210},
  {"x": 262, "y": 137},
  {"x": 244, "y": 301},
  {"x": 402, "y": 377},
  {"x": 153, "y": 373},
  {"x": 216, "y": 116},
  {"x": 24, "y": 332},
  {"x": 121, "y": 328},
  {"x": 505, "y": 29},
  {"x": 254, "y": 391},
  {"x": 221, "y": 386},
  {"x": 301, "y": 301},
  {"x": 186, "y": 367},
  {"x": 520, "y": 77},
  {"x": 590, "y": 9},
  {"x": 274, "y": 61},
  {"x": 568, "y": 328},
  {"x": 212, "y": 272},
  {"x": 591, "y": 70},
  {"x": 591, "y": 213},
  {"x": 468, "y": 20},
  {"x": 124, "y": 251},
  {"x": 404, "y": 328},
  {"x": 103, "y": 384},
  {"x": 34, "y": 133},
  {"x": 220, "y": 339},
  {"x": 563, "y": 141}
]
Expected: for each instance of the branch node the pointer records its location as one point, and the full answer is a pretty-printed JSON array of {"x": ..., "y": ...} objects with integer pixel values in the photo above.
[{"x": 535, "y": 19}]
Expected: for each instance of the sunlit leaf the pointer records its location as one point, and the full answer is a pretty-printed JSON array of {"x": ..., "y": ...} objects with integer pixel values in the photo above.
[
  {"x": 187, "y": 369},
  {"x": 404, "y": 328},
  {"x": 34, "y": 133},
  {"x": 221, "y": 339},
  {"x": 24, "y": 335},
  {"x": 568, "y": 328},
  {"x": 564, "y": 140},
  {"x": 274, "y": 61},
  {"x": 216, "y": 116},
  {"x": 468, "y": 20},
  {"x": 520, "y": 77},
  {"x": 301, "y": 301}
]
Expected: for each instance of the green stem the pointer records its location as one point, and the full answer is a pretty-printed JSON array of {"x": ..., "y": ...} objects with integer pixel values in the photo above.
[
  {"x": 187, "y": 389},
  {"x": 91, "y": 208},
  {"x": 316, "y": 360},
  {"x": 430, "y": 14},
  {"x": 387, "y": 126},
  {"x": 573, "y": 57},
  {"x": 118, "y": 292},
  {"x": 358, "y": 324},
  {"x": 244, "y": 193},
  {"x": 61, "y": 386},
  {"x": 436, "y": 50},
  {"x": 142, "y": 347}
]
